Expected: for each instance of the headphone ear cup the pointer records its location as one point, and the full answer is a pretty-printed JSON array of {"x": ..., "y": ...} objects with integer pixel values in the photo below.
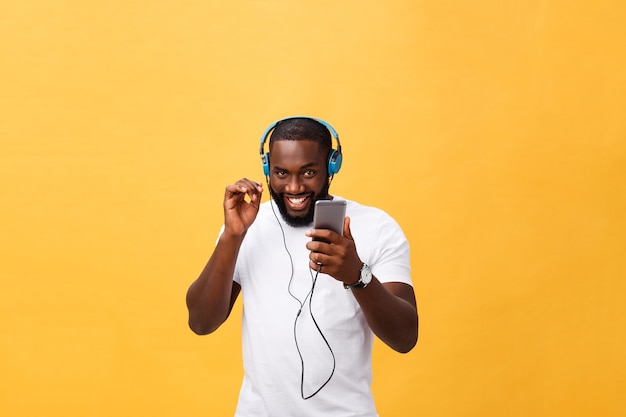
[
  {"x": 334, "y": 162},
  {"x": 265, "y": 160}
]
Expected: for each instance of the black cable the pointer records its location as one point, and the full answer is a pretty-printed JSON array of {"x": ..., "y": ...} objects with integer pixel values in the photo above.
[
  {"x": 332, "y": 372},
  {"x": 302, "y": 303}
]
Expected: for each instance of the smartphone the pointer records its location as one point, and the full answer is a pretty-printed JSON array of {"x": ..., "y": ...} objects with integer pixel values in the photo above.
[{"x": 329, "y": 214}]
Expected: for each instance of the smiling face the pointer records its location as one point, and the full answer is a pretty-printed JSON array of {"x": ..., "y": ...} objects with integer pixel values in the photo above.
[{"x": 298, "y": 178}]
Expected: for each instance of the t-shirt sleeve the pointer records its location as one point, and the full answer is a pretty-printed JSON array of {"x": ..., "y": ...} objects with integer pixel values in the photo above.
[{"x": 391, "y": 260}]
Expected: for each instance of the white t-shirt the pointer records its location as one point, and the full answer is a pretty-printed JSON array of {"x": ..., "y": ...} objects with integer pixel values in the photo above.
[{"x": 273, "y": 271}]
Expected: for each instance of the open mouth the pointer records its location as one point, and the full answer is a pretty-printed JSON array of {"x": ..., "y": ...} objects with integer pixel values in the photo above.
[{"x": 297, "y": 203}]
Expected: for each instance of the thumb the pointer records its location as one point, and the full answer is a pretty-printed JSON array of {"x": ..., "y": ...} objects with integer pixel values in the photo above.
[{"x": 346, "y": 228}]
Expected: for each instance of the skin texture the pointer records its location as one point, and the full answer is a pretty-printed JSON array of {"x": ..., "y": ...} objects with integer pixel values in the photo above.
[
  {"x": 287, "y": 188},
  {"x": 298, "y": 176}
]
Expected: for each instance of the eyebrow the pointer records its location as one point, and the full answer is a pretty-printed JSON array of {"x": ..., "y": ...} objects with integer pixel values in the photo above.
[{"x": 305, "y": 166}]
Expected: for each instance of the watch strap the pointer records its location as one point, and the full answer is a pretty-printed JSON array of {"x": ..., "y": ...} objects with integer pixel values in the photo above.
[{"x": 358, "y": 284}]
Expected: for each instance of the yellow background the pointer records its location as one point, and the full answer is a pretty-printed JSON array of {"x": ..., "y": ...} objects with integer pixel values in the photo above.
[{"x": 493, "y": 131}]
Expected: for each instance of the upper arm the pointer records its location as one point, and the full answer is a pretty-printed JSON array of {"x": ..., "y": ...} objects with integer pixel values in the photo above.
[{"x": 403, "y": 291}]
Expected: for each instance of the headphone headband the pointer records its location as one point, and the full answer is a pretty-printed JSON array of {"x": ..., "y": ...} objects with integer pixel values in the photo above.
[{"x": 334, "y": 159}]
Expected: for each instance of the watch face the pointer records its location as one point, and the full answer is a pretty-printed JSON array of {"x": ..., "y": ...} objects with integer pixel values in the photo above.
[
  {"x": 366, "y": 278},
  {"x": 366, "y": 274}
]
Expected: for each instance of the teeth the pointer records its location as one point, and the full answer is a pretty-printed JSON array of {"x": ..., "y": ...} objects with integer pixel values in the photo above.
[{"x": 297, "y": 200}]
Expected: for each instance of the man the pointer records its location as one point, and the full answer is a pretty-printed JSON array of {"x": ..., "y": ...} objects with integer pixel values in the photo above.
[{"x": 312, "y": 298}]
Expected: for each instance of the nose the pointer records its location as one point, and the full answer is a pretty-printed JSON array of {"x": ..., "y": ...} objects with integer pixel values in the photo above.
[{"x": 294, "y": 186}]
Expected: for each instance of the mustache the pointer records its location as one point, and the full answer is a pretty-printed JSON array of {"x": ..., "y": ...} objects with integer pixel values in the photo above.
[{"x": 298, "y": 221}]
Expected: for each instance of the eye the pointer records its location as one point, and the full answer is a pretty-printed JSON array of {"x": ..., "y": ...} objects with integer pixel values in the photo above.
[
  {"x": 309, "y": 173},
  {"x": 281, "y": 173}
]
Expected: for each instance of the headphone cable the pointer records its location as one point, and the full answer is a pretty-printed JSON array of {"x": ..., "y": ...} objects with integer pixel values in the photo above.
[{"x": 302, "y": 303}]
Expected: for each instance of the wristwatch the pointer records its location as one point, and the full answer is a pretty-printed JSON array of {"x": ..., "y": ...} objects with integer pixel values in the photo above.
[{"x": 364, "y": 280}]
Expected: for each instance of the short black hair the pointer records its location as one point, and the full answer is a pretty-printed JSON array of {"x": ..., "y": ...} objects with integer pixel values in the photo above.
[{"x": 302, "y": 128}]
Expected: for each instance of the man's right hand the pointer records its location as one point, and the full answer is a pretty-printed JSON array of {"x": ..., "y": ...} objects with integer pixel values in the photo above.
[{"x": 239, "y": 213}]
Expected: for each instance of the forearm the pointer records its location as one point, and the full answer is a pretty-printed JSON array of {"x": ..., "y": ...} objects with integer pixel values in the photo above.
[
  {"x": 391, "y": 312},
  {"x": 210, "y": 297}
]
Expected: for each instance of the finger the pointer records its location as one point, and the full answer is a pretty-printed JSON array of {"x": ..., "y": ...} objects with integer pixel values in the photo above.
[
  {"x": 254, "y": 190},
  {"x": 317, "y": 258},
  {"x": 316, "y": 266},
  {"x": 322, "y": 235},
  {"x": 319, "y": 245},
  {"x": 250, "y": 184},
  {"x": 234, "y": 192},
  {"x": 346, "y": 228},
  {"x": 245, "y": 187}
]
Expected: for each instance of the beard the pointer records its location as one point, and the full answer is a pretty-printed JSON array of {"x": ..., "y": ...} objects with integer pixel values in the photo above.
[{"x": 307, "y": 218}]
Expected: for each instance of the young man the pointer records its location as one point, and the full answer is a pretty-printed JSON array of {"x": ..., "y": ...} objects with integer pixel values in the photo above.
[{"x": 312, "y": 298}]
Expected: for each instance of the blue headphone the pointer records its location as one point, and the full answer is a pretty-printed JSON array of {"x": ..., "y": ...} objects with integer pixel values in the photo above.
[{"x": 334, "y": 159}]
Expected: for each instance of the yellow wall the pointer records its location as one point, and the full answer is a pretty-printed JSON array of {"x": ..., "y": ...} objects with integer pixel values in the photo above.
[{"x": 493, "y": 131}]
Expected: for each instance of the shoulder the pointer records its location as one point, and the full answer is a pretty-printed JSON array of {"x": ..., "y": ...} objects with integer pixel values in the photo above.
[
  {"x": 363, "y": 213},
  {"x": 380, "y": 242}
]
